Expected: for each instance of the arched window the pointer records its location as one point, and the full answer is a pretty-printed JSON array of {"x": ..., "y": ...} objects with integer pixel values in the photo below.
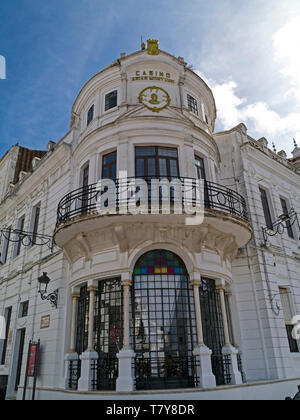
[{"x": 164, "y": 325}]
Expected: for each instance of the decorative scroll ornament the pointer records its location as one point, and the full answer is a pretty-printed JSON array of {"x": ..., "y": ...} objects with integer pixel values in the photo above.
[
  {"x": 154, "y": 98},
  {"x": 27, "y": 239},
  {"x": 153, "y": 47},
  {"x": 284, "y": 222}
]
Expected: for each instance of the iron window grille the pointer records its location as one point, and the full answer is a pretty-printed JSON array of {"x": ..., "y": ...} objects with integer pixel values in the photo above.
[
  {"x": 164, "y": 323},
  {"x": 108, "y": 333},
  {"x": 213, "y": 330},
  {"x": 74, "y": 373},
  {"x": 82, "y": 320}
]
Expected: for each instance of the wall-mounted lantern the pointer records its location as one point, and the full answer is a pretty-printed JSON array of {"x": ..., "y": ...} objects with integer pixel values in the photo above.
[{"x": 43, "y": 286}]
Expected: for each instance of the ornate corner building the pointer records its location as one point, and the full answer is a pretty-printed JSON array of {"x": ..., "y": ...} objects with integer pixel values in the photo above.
[{"x": 150, "y": 299}]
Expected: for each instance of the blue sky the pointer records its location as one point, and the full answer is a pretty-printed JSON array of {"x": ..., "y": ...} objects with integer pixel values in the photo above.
[{"x": 246, "y": 50}]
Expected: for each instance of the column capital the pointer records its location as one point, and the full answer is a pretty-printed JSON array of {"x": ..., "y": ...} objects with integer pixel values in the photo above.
[
  {"x": 220, "y": 284},
  {"x": 75, "y": 295},
  {"x": 92, "y": 288},
  {"x": 195, "y": 282},
  {"x": 126, "y": 283},
  {"x": 228, "y": 293}
]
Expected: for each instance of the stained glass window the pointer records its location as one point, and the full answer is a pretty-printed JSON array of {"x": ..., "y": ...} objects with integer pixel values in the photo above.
[{"x": 160, "y": 262}]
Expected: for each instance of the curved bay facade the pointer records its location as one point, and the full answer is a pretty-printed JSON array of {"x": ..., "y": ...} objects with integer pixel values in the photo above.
[{"x": 151, "y": 295}]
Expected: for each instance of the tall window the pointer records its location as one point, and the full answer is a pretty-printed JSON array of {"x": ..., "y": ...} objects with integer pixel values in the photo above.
[
  {"x": 108, "y": 331},
  {"x": 83, "y": 200},
  {"x": 213, "y": 328},
  {"x": 35, "y": 224},
  {"x": 24, "y": 309},
  {"x": 160, "y": 162},
  {"x": 288, "y": 315},
  {"x": 5, "y": 246},
  {"x": 164, "y": 324},
  {"x": 82, "y": 320},
  {"x": 90, "y": 114},
  {"x": 200, "y": 172},
  {"x": 111, "y": 100},
  {"x": 20, "y": 228},
  {"x": 200, "y": 169},
  {"x": 266, "y": 208},
  {"x": 192, "y": 104},
  {"x": 8, "y": 312},
  {"x": 285, "y": 210},
  {"x": 109, "y": 166}
]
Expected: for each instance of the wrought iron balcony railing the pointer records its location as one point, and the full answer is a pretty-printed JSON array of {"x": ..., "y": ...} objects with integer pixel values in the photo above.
[{"x": 214, "y": 196}]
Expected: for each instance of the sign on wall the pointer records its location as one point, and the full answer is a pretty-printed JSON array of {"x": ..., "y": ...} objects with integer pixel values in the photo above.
[{"x": 45, "y": 322}]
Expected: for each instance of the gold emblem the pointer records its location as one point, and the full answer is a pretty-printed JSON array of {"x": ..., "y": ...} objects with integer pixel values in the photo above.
[
  {"x": 154, "y": 98},
  {"x": 153, "y": 47}
]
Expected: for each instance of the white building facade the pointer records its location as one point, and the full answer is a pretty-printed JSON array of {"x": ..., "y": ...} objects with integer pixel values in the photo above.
[{"x": 151, "y": 304}]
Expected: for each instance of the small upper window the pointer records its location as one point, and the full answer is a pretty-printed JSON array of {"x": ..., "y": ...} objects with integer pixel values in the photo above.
[
  {"x": 192, "y": 104},
  {"x": 90, "y": 115},
  {"x": 24, "y": 309},
  {"x": 111, "y": 100},
  {"x": 35, "y": 223},
  {"x": 266, "y": 208},
  {"x": 286, "y": 212}
]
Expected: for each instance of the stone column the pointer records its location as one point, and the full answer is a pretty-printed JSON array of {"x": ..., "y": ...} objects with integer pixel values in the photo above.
[
  {"x": 228, "y": 349},
  {"x": 228, "y": 293},
  {"x": 72, "y": 355},
  {"x": 123, "y": 105},
  {"x": 89, "y": 357},
  {"x": 126, "y": 356},
  {"x": 75, "y": 297},
  {"x": 201, "y": 352}
]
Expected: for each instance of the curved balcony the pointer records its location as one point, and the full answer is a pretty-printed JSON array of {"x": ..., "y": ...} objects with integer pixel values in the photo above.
[
  {"x": 152, "y": 200},
  {"x": 86, "y": 200}
]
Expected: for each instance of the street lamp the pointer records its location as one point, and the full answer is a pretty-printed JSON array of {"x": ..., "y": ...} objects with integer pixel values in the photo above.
[{"x": 43, "y": 285}]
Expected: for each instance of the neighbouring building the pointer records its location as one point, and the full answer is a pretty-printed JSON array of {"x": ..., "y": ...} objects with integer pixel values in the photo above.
[{"x": 150, "y": 302}]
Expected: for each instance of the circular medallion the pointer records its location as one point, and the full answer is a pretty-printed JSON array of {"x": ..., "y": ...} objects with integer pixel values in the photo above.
[{"x": 154, "y": 98}]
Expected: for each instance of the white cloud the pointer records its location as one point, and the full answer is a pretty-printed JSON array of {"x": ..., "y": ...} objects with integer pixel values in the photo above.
[
  {"x": 286, "y": 51},
  {"x": 260, "y": 119}
]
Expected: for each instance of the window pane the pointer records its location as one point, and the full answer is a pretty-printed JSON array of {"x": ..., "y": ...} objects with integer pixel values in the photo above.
[
  {"x": 163, "y": 168},
  {"x": 173, "y": 168},
  {"x": 111, "y": 100},
  {"x": 145, "y": 151},
  {"x": 90, "y": 115},
  {"x": 192, "y": 104},
  {"x": 199, "y": 162},
  {"x": 140, "y": 167},
  {"x": 109, "y": 166},
  {"x": 167, "y": 152},
  {"x": 151, "y": 167}
]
